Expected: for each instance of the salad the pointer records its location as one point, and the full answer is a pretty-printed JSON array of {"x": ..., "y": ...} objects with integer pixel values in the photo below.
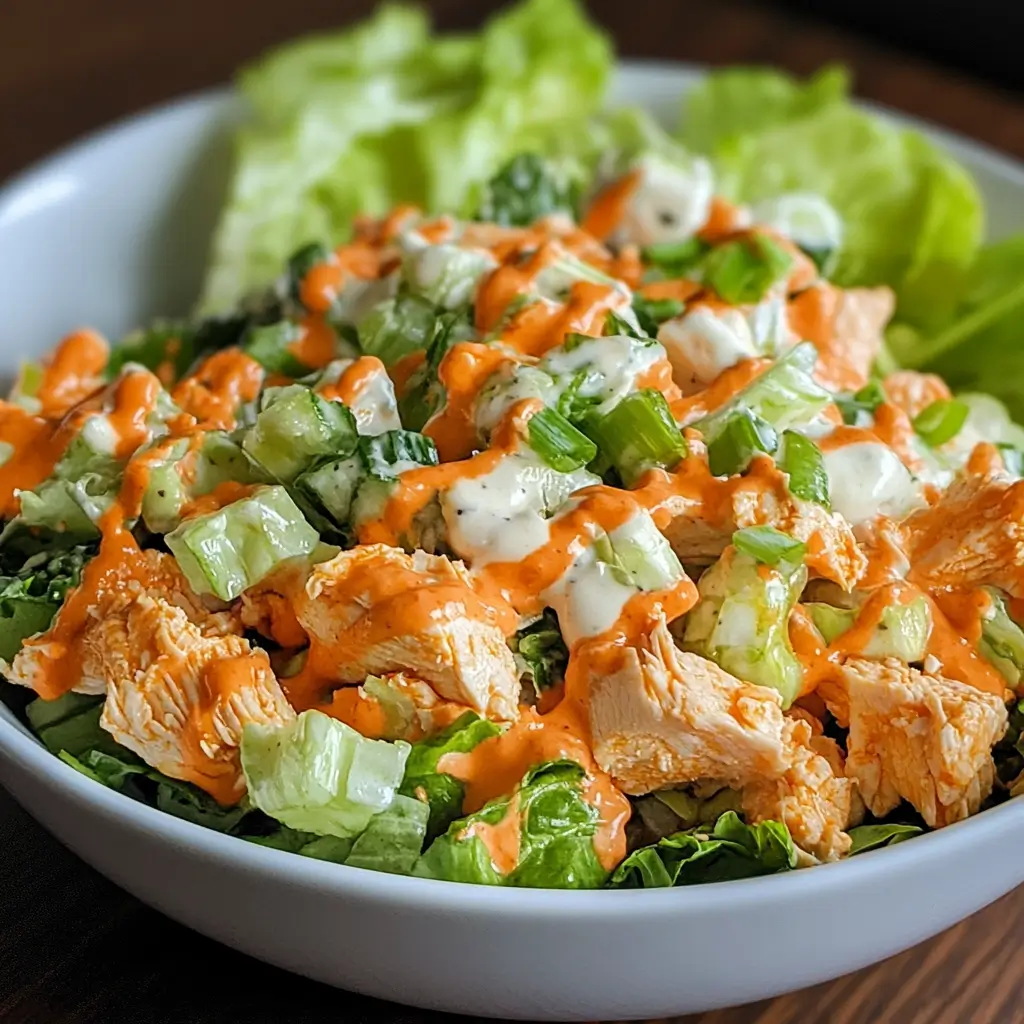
[{"x": 575, "y": 513}]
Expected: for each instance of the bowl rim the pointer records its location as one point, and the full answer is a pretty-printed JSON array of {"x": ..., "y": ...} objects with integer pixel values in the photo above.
[{"x": 25, "y": 753}]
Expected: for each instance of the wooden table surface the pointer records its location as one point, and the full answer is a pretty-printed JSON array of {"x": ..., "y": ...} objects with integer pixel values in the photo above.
[{"x": 73, "y": 948}]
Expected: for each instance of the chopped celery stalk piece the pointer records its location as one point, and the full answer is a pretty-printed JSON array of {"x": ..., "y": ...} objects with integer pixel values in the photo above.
[
  {"x": 397, "y": 327},
  {"x": 301, "y": 262},
  {"x": 641, "y": 554},
  {"x": 269, "y": 346},
  {"x": 800, "y": 458},
  {"x": 446, "y": 275},
  {"x": 558, "y": 442},
  {"x": 318, "y": 775},
  {"x": 742, "y": 620},
  {"x": 861, "y": 404},
  {"x": 1002, "y": 640},
  {"x": 902, "y": 630},
  {"x": 395, "y": 451},
  {"x": 228, "y": 551},
  {"x": 941, "y": 421},
  {"x": 638, "y": 434},
  {"x": 332, "y": 485},
  {"x": 295, "y": 428},
  {"x": 742, "y": 436},
  {"x": 744, "y": 271},
  {"x": 768, "y": 545},
  {"x": 785, "y": 395}
]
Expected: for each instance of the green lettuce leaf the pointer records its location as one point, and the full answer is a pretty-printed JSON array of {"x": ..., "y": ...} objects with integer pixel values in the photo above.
[
  {"x": 541, "y": 650},
  {"x": 977, "y": 346},
  {"x": 120, "y": 769},
  {"x": 555, "y": 827},
  {"x": 29, "y": 599},
  {"x": 357, "y": 120},
  {"x": 913, "y": 216},
  {"x": 442, "y": 793},
  {"x": 730, "y": 850},
  {"x": 874, "y": 837}
]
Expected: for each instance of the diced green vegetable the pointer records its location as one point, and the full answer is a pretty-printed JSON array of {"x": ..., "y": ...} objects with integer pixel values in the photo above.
[
  {"x": 640, "y": 554},
  {"x": 445, "y": 274},
  {"x": 317, "y": 774},
  {"x": 443, "y": 793},
  {"x": 295, "y": 428},
  {"x": 1002, "y": 639},
  {"x": 874, "y": 837},
  {"x": 228, "y": 551},
  {"x": 652, "y": 313},
  {"x": 269, "y": 346},
  {"x": 744, "y": 271},
  {"x": 301, "y": 262},
  {"x": 165, "y": 346},
  {"x": 863, "y": 402},
  {"x": 808, "y": 220},
  {"x": 397, "y": 327},
  {"x": 768, "y": 545},
  {"x": 393, "y": 452},
  {"x": 332, "y": 485},
  {"x": 638, "y": 434},
  {"x": 526, "y": 189},
  {"x": 941, "y": 421},
  {"x": 902, "y": 630},
  {"x": 556, "y": 829},
  {"x": 742, "y": 620},
  {"x": 801, "y": 460},
  {"x": 541, "y": 651},
  {"x": 731, "y": 850},
  {"x": 741, "y": 437},
  {"x": 558, "y": 442},
  {"x": 674, "y": 259},
  {"x": 785, "y": 395}
]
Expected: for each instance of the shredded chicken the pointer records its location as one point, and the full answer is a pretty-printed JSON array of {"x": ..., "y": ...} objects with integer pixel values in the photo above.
[
  {"x": 812, "y": 798},
  {"x": 361, "y": 607},
  {"x": 920, "y": 738},
  {"x": 667, "y": 718}
]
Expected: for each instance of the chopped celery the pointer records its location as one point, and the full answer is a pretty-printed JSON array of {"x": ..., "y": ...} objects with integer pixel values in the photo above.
[
  {"x": 397, "y": 327},
  {"x": 637, "y": 435},
  {"x": 902, "y": 630},
  {"x": 742, "y": 620},
  {"x": 318, "y": 775},
  {"x": 295, "y": 427},
  {"x": 742, "y": 436},
  {"x": 801, "y": 460},
  {"x": 641, "y": 554},
  {"x": 652, "y": 313},
  {"x": 785, "y": 395},
  {"x": 514, "y": 382},
  {"x": 1002, "y": 640},
  {"x": 445, "y": 274},
  {"x": 558, "y": 442},
  {"x": 674, "y": 259},
  {"x": 228, "y": 551}
]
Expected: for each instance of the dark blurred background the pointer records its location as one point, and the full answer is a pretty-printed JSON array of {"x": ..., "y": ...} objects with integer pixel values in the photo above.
[{"x": 67, "y": 66}]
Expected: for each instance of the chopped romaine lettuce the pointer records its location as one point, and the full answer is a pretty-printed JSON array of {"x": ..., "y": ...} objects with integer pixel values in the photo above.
[
  {"x": 317, "y": 774},
  {"x": 730, "y": 850},
  {"x": 1002, "y": 639},
  {"x": 541, "y": 651},
  {"x": 542, "y": 835},
  {"x": 230, "y": 550},
  {"x": 902, "y": 630},
  {"x": 874, "y": 837}
]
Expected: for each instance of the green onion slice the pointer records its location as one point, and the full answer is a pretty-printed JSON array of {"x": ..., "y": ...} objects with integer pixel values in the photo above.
[
  {"x": 558, "y": 442},
  {"x": 768, "y": 545},
  {"x": 742, "y": 436},
  {"x": 801, "y": 459},
  {"x": 941, "y": 421}
]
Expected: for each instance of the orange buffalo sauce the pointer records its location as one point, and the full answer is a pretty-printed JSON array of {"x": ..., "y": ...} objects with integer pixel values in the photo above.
[
  {"x": 315, "y": 346},
  {"x": 219, "y": 680},
  {"x": 608, "y": 209},
  {"x": 213, "y": 394},
  {"x": 72, "y": 373},
  {"x": 354, "y": 380},
  {"x": 36, "y": 446}
]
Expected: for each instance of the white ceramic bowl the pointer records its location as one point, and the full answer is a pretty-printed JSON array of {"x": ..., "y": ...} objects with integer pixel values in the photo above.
[{"x": 114, "y": 230}]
